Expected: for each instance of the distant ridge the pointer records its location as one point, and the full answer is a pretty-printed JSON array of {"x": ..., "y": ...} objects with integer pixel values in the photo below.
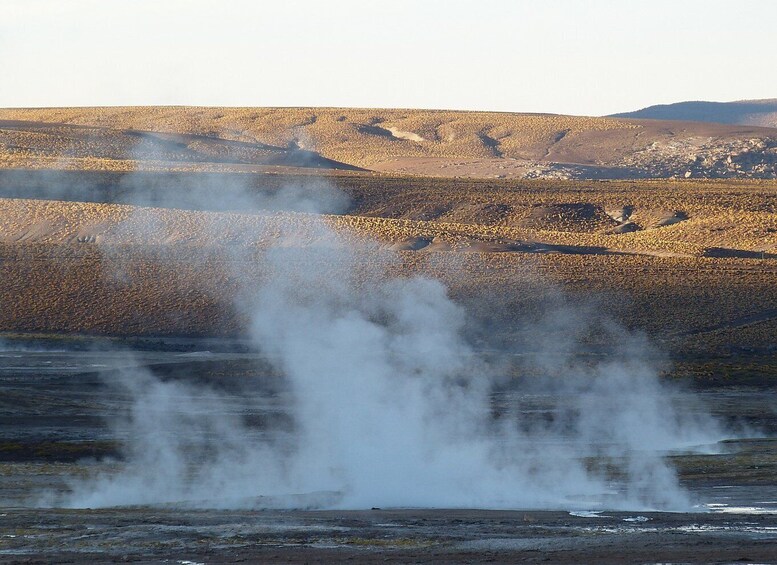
[
  {"x": 761, "y": 113},
  {"x": 397, "y": 141}
]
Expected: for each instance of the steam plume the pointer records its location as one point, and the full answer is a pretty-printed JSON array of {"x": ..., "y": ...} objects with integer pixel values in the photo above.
[{"x": 392, "y": 407}]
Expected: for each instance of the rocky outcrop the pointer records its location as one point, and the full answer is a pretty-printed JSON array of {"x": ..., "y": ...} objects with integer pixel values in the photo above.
[{"x": 689, "y": 158}]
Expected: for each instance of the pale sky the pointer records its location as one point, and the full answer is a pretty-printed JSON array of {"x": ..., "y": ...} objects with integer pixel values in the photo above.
[{"x": 588, "y": 57}]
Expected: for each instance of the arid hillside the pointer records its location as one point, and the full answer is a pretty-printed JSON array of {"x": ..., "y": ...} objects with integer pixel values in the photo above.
[
  {"x": 42, "y": 145},
  {"x": 155, "y": 221},
  {"x": 120, "y": 270},
  {"x": 416, "y": 142},
  {"x": 659, "y": 218}
]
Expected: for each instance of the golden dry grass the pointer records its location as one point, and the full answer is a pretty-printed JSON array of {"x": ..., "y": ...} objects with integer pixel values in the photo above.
[
  {"x": 689, "y": 305},
  {"x": 437, "y": 142},
  {"x": 359, "y": 136},
  {"x": 504, "y": 248},
  {"x": 714, "y": 228},
  {"x": 735, "y": 215},
  {"x": 174, "y": 272}
]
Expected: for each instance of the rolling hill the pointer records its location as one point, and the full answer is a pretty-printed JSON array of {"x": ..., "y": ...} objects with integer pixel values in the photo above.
[
  {"x": 416, "y": 142},
  {"x": 153, "y": 221},
  {"x": 697, "y": 274}
]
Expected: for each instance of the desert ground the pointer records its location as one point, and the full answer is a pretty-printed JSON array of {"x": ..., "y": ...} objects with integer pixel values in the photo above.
[{"x": 146, "y": 229}]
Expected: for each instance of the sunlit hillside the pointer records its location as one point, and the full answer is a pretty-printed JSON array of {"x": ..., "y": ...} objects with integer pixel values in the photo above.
[{"x": 420, "y": 142}]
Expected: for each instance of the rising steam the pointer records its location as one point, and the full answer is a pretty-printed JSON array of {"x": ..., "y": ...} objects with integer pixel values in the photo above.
[{"x": 391, "y": 407}]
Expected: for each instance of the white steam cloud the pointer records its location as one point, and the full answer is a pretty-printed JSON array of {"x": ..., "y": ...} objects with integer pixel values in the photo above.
[{"x": 392, "y": 407}]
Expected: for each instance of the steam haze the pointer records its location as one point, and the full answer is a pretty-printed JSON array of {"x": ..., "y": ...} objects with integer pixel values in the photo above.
[{"x": 391, "y": 406}]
